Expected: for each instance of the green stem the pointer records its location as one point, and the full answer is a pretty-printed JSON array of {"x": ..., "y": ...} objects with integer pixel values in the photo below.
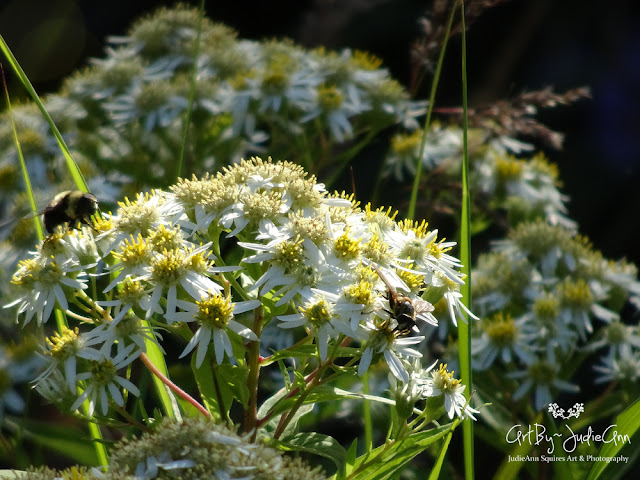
[
  {"x": 366, "y": 406},
  {"x": 251, "y": 412}
]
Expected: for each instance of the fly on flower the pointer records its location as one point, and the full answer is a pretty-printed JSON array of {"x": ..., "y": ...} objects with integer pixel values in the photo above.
[{"x": 403, "y": 309}]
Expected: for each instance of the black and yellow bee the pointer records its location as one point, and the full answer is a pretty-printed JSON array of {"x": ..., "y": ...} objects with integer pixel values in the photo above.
[{"x": 69, "y": 207}]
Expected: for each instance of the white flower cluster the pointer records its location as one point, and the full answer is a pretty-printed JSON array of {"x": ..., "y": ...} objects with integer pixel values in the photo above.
[
  {"x": 503, "y": 170},
  {"x": 546, "y": 297},
  {"x": 348, "y": 273}
]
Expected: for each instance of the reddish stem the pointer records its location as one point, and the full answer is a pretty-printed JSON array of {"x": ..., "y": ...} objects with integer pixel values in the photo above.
[{"x": 176, "y": 389}]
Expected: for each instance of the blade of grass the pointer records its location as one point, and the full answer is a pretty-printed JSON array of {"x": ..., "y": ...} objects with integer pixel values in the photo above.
[
  {"x": 192, "y": 95},
  {"x": 464, "y": 337},
  {"x": 23, "y": 166},
  {"x": 427, "y": 121},
  {"x": 437, "y": 468},
  {"x": 61, "y": 322},
  {"x": 627, "y": 426},
  {"x": 74, "y": 171}
]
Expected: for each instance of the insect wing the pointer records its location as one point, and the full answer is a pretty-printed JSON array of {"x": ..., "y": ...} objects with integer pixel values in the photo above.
[{"x": 422, "y": 306}]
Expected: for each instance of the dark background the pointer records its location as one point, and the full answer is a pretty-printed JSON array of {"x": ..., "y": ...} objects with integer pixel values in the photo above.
[{"x": 517, "y": 46}]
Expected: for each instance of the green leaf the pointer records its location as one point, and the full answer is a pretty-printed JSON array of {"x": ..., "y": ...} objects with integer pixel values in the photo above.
[
  {"x": 435, "y": 472},
  {"x": 206, "y": 387},
  {"x": 317, "y": 444},
  {"x": 233, "y": 379},
  {"x": 626, "y": 425},
  {"x": 156, "y": 357},
  {"x": 388, "y": 460},
  {"x": 350, "y": 459},
  {"x": 64, "y": 439},
  {"x": 303, "y": 351},
  {"x": 292, "y": 425}
]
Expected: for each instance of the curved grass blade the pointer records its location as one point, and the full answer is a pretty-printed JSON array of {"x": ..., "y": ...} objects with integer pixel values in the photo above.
[
  {"x": 23, "y": 166},
  {"x": 192, "y": 94},
  {"x": 427, "y": 122},
  {"x": 74, "y": 171}
]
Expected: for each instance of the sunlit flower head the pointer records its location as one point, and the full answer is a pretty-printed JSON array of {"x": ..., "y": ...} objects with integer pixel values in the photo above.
[{"x": 214, "y": 314}]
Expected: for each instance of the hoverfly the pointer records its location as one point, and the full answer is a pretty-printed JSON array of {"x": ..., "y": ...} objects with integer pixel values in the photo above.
[{"x": 403, "y": 309}]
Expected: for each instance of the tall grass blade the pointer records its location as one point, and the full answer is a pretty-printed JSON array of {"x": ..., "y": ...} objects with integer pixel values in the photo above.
[
  {"x": 427, "y": 121},
  {"x": 464, "y": 337},
  {"x": 74, "y": 171},
  {"x": 192, "y": 95},
  {"x": 61, "y": 322},
  {"x": 23, "y": 166}
]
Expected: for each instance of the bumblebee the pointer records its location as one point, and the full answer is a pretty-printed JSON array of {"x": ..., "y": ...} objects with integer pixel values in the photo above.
[
  {"x": 402, "y": 308},
  {"x": 69, "y": 207}
]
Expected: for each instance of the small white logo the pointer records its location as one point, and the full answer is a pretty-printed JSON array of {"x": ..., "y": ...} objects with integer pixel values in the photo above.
[{"x": 574, "y": 411}]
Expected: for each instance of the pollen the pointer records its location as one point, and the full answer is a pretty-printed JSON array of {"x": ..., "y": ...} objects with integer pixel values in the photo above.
[
  {"x": 509, "y": 168},
  {"x": 198, "y": 262},
  {"x": 103, "y": 223},
  {"x": 366, "y": 60},
  {"x": 377, "y": 250},
  {"x": 130, "y": 291},
  {"x": 28, "y": 273},
  {"x": 418, "y": 228},
  {"x": 168, "y": 268},
  {"x": 501, "y": 329},
  {"x": 215, "y": 311},
  {"x": 406, "y": 145},
  {"x": 163, "y": 239},
  {"x": 65, "y": 345},
  {"x": 135, "y": 252},
  {"x": 329, "y": 98},
  {"x": 318, "y": 313},
  {"x": 346, "y": 247},
  {"x": 103, "y": 372},
  {"x": 360, "y": 293},
  {"x": 547, "y": 307},
  {"x": 576, "y": 294},
  {"x": 366, "y": 274},
  {"x": 443, "y": 379},
  {"x": 414, "y": 281},
  {"x": 290, "y": 255},
  {"x": 437, "y": 249},
  {"x": 384, "y": 219}
]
